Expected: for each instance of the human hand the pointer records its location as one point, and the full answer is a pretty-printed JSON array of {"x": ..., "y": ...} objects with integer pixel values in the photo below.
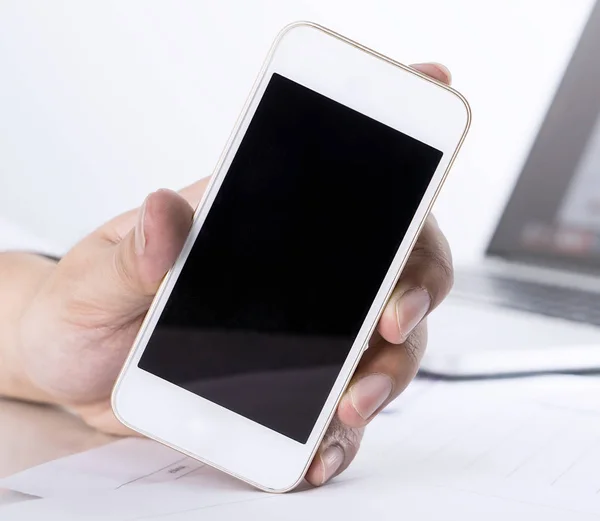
[{"x": 77, "y": 330}]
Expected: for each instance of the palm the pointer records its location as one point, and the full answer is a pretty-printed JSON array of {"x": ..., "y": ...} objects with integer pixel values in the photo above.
[{"x": 75, "y": 345}]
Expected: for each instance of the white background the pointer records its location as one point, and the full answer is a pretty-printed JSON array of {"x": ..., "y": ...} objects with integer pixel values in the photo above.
[{"x": 102, "y": 102}]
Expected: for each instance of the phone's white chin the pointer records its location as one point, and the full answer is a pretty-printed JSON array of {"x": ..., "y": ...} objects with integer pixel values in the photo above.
[{"x": 212, "y": 434}]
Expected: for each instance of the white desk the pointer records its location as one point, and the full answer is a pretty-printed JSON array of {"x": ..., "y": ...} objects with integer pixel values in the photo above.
[
  {"x": 520, "y": 449},
  {"x": 33, "y": 434}
]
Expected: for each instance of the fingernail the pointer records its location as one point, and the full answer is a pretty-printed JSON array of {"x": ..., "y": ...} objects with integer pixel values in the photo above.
[
  {"x": 139, "y": 233},
  {"x": 369, "y": 394},
  {"x": 440, "y": 67},
  {"x": 445, "y": 71},
  {"x": 411, "y": 308},
  {"x": 331, "y": 460}
]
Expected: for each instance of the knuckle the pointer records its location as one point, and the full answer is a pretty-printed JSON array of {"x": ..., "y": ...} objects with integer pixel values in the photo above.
[
  {"x": 416, "y": 344},
  {"x": 432, "y": 260},
  {"x": 348, "y": 438},
  {"x": 125, "y": 275},
  {"x": 122, "y": 272},
  {"x": 442, "y": 262}
]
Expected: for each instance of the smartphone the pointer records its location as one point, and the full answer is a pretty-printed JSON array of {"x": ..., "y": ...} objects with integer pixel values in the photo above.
[{"x": 298, "y": 242}]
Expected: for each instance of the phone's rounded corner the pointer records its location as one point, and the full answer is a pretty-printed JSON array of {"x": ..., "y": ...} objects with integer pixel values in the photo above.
[
  {"x": 284, "y": 489},
  {"x": 298, "y": 24},
  {"x": 114, "y": 404},
  {"x": 119, "y": 416},
  {"x": 462, "y": 111},
  {"x": 285, "y": 484},
  {"x": 467, "y": 107},
  {"x": 460, "y": 98},
  {"x": 294, "y": 26}
]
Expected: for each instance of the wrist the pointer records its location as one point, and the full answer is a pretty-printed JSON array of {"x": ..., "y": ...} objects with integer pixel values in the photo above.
[{"x": 24, "y": 275}]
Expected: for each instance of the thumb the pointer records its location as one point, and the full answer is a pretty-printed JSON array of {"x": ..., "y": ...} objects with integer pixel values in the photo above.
[
  {"x": 148, "y": 251},
  {"x": 109, "y": 278},
  {"x": 143, "y": 257}
]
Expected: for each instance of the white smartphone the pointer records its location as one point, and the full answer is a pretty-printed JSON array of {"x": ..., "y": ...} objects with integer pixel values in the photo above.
[{"x": 295, "y": 248}]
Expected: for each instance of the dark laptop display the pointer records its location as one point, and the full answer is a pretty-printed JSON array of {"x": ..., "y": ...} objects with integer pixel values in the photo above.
[{"x": 553, "y": 214}]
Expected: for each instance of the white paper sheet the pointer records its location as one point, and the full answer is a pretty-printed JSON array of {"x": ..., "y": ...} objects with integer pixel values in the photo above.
[
  {"x": 132, "y": 462},
  {"x": 525, "y": 449}
]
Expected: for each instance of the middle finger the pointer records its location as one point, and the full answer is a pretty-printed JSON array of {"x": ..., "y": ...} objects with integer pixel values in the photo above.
[{"x": 384, "y": 372}]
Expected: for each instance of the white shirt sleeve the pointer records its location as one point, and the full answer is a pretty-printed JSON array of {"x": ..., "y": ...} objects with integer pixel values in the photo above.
[{"x": 15, "y": 238}]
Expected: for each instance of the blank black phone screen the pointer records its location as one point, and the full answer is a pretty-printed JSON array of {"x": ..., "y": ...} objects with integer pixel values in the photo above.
[{"x": 289, "y": 259}]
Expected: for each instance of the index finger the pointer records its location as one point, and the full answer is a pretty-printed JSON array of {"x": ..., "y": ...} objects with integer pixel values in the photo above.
[{"x": 425, "y": 281}]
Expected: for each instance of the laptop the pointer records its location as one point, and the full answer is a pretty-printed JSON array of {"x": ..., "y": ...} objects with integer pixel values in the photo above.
[{"x": 533, "y": 304}]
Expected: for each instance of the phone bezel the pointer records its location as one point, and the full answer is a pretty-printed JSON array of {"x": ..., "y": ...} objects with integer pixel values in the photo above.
[{"x": 369, "y": 83}]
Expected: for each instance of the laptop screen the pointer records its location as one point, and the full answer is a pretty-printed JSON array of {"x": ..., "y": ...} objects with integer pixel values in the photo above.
[{"x": 553, "y": 214}]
